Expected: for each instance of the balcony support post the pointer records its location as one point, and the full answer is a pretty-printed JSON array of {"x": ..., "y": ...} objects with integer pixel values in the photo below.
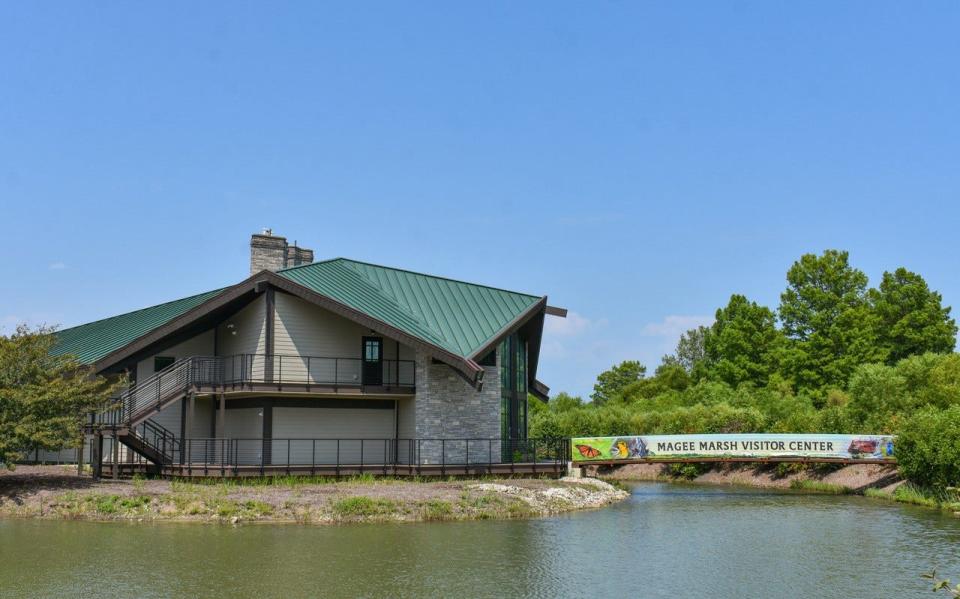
[
  {"x": 270, "y": 305},
  {"x": 191, "y": 404},
  {"x": 116, "y": 454},
  {"x": 222, "y": 416}
]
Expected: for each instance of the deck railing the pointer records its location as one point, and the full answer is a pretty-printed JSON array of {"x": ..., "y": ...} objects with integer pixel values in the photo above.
[
  {"x": 222, "y": 454},
  {"x": 281, "y": 369},
  {"x": 244, "y": 370}
]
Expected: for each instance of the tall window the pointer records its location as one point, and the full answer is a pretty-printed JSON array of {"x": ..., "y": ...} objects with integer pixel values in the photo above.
[{"x": 513, "y": 388}]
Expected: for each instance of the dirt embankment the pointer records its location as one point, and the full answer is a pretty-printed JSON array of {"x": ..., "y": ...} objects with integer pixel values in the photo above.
[
  {"x": 856, "y": 478},
  {"x": 55, "y": 492}
]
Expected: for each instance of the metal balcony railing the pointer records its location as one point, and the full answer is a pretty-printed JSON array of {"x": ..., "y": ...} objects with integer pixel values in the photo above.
[
  {"x": 283, "y": 369},
  {"x": 221, "y": 454},
  {"x": 152, "y": 394}
]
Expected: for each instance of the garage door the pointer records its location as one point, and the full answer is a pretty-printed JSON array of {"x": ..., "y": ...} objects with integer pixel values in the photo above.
[{"x": 319, "y": 435}]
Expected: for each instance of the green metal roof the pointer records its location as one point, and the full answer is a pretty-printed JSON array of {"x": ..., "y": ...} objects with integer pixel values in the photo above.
[
  {"x": 457, "y": 316},
  {"x": 92, "y": 341}
]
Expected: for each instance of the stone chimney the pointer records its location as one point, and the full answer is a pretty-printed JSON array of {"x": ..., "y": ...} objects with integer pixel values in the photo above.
[{"x": 272, "y": 252}]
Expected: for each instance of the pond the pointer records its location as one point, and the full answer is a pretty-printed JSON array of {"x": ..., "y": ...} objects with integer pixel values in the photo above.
[{"x": 665, "y": 541}]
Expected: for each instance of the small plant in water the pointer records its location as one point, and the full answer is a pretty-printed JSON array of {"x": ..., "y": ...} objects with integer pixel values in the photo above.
[{"x": 941, "y": 584}]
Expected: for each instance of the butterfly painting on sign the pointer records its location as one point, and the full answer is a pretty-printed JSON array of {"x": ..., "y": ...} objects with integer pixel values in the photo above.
[{"x": 588, "y": 452}]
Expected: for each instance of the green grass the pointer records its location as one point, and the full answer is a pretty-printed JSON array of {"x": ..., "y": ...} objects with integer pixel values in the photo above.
[
  {"x": 816, "y": 486},
  {"x": 362, "y": 506},
  {"x": 436, "y": 510},
  {"x": 908, "y": 493},
  {"x": 108, "y": 504},
  {"x": 228, "y": 508}
]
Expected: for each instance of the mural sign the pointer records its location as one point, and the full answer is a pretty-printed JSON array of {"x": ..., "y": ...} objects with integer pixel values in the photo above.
[{"x": 585, "y": 449}]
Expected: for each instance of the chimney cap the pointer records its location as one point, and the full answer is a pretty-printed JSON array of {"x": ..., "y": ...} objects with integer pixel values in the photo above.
[{"x": 267, "y": 231}]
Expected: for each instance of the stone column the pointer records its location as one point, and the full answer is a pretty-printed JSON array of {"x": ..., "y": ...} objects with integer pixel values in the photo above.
[{"x": 449, "y": 412}]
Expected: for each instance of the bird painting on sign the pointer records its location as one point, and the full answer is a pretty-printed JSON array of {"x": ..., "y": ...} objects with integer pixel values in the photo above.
[{"x": 629, "y": 447}]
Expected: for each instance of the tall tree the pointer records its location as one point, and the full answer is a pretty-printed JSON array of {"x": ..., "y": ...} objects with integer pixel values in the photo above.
[
  {"x": 828, "y": 321},
  {"x": 744, "y": 343},
  {"x": 911, "y": 317},
  {"x": 690, "y": 352},
  {"x": 43, "y": 398},
  {"x": 610, "y": 383}
]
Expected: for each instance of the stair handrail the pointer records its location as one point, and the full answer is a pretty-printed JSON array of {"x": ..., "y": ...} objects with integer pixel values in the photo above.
[
  {"x": 159, "y": 438},
  {"x": 149, "y": 395}
]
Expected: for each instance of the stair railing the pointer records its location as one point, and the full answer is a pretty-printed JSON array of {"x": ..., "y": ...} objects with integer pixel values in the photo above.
[
  {"x": 159, "y": 439},
  {"x": 150, "y": 395}
]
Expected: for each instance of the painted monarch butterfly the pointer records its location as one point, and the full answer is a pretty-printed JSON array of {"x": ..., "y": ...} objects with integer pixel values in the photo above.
[{"x": 588, "y": 452}]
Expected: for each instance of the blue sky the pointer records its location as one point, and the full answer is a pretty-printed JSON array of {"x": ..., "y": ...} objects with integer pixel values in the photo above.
[{"x": 637, "y": 162}]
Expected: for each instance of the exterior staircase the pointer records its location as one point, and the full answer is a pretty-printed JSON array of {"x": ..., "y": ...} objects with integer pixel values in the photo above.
[
  {"x": 152, "y": 441},
  {"x": 171, "y": 384},
  {"x": 129, "y": 423}
]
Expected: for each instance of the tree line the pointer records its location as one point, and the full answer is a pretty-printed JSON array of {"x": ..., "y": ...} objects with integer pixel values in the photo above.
[{"x": 836, "y": 356}]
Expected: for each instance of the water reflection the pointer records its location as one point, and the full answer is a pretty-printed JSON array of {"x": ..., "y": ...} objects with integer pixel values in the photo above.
[{"x": 666, "y": 541}]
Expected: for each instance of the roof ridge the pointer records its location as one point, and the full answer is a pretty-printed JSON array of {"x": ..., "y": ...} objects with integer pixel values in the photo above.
[
  {"x": 289, "y": 268},
  {"x": 423, "y": 274},
  {"x": 58, "y": 331}
]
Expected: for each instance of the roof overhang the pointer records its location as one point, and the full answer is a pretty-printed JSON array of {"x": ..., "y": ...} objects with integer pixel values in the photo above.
[
  {"x": 530, "y": 324},
  {"x": 233, "y": 297},
  {"x": 540, "y": 391}
]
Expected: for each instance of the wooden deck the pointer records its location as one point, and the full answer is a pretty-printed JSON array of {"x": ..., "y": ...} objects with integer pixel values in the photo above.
[{"x": 202, "y": 470}]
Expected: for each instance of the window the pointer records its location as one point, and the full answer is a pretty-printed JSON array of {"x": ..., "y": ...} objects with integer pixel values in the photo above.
[
  {"x": 513, "y": 388},
  {"x": 161, "y": 362},
  {"x": 371, "y": 350}
]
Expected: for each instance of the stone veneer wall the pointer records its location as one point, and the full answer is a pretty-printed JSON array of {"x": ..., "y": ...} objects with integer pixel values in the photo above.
[{"x": 447, "y": 407}]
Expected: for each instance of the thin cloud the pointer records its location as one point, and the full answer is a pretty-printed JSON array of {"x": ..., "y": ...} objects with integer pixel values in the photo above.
[
  {"x": 675, "y": 325},
  {"x": 570, "y": 336},
  {"x": 672, "y": 327},
  {"x": 573, "y": 324},
  {"x": 57, "y": 266}
]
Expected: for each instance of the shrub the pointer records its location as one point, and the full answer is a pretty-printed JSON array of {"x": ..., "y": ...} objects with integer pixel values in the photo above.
[
  {"x": 876, "y": 392},
  {"x": 944, "y": 387},
  {"x": 928, "y": 447},
  {"x": 688, "y": 471}
]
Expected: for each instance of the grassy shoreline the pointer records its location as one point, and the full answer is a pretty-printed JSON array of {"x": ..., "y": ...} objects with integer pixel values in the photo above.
[
  {"x": 56, "y": 495},
  {"x": 946, "y": 500},
  {"x": 873, "y": 482}
]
